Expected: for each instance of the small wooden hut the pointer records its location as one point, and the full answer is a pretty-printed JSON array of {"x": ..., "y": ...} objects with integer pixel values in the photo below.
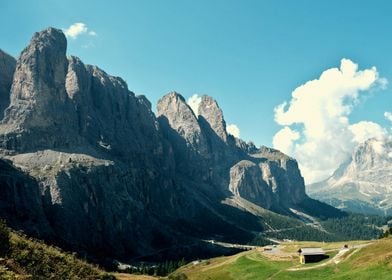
[{"x": 310, "y": 255}]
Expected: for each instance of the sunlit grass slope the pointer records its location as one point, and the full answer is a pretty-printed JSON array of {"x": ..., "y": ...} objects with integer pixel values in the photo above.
[
  {"x": 31, "y": 259},
  {"x": 371, "y": 262}
]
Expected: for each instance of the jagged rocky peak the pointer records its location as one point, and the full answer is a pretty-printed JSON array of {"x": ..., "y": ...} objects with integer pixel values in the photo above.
[
  {"x": 372, "y": 153},
  {"x": 209, "y": 110},
  {"x": 60, "y": 102},
  {"x": 88, "y": 83},
  {"x": 7, "y": 69},
  {"x": 38, "y": 95},
  {"x": 173, "y": 109},
  {"x": 109, "y": 115},
  {"x": 362, "y": 183},
  {"x": 43, "y": 63},
  {"x": 247, "y": 147}
]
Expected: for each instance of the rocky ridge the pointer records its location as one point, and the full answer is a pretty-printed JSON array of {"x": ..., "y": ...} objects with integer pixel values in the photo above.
[{"x": 95, "y": 169}]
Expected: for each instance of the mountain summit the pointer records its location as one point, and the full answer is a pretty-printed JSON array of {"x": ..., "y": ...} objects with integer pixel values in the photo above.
[
  {"x": 363, "y": 184},
  {"x": 86, "y": 163}
]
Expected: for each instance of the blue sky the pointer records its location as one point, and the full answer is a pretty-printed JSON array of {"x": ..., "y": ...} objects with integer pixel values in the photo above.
[{"x": 249, "y": 55}]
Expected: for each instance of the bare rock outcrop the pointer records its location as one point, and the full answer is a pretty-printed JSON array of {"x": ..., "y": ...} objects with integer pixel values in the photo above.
[
  {"x": 176, "y": 113},
  {"x": 246, "y": 181},
  {"x": 210, "y": 112},
  {"x": 40, "y": 113},
  {"x": 7, "y": 69},
  {"x": 38, "y": 96}
]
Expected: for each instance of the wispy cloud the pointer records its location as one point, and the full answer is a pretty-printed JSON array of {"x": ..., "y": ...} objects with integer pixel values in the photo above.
[
  {"x": 77, "y": 29},
  {"x": 316, "y": 127},
  {"x": 88, "y": 45}
]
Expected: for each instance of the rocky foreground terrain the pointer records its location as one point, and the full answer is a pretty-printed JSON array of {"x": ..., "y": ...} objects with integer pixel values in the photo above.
[
  {"x": 364, "y": 183},
  {"x": 85, "y": 163}
]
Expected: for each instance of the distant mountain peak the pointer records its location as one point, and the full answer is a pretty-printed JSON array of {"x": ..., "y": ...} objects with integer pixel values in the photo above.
[{"x": 363, "y": 183}]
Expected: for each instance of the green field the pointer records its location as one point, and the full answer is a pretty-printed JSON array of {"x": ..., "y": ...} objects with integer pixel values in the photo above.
[
  {"x": 373, "y": 261},
  {"x": 31, "y": 259}
]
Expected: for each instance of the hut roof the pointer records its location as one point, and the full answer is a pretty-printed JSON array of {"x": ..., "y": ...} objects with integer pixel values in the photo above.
[{"x": 312, "y": 251}]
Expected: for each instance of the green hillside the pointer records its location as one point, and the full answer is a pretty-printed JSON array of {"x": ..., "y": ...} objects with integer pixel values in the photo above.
[
  {"x": 363, "y": 260},
  {"x": 26, "y": 258}
]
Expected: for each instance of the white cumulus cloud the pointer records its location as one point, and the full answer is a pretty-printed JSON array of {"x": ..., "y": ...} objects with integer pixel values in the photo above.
[
  {"x": 233, "y": 130},
  {"x": 78, "y": 29},
  {"x": 317, "y": 130},
  {"x": 284, "y": 139},
  {"x": 363, "y": 129},
  {"x": 194, "y": 102},
  {"x": 388, "y": 116}
]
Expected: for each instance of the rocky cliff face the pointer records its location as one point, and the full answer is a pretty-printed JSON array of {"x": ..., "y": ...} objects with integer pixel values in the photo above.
[
  {"x": 91, "y": 146},
  {"x": 210, "y": 113},
  {"x": 283, "y": 176},
  {"x": 40, "y": 114},
  {"x": 246, "y": 181},
  {"x": 89, "y": 164},
  {"x": 20, "y": 201},
  {"x": 176, "y": 115},
  {"x": 267, "y": 174},
  {"x": 38, "y": 96},
  {"x": 362, "y": 184},
  {"x": 108, "y": 113},
  {"x": 7, "y": 69}
]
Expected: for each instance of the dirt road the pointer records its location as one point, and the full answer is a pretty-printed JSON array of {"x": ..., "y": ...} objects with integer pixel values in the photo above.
[{"x": 336, "y": 259}]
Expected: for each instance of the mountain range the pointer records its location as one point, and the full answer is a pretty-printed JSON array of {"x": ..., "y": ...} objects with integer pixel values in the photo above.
[
  {"x": 87, "y": 164},
  {"x": 363, "y": 184}
]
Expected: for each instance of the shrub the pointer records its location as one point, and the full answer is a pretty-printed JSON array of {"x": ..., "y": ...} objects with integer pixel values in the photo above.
[
  {"x": 107, "y": 276},
  {"x": 4, "y": 239}
]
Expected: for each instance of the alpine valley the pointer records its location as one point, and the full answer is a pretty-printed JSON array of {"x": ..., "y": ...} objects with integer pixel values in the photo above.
[{"x": 87, "y": 165}]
